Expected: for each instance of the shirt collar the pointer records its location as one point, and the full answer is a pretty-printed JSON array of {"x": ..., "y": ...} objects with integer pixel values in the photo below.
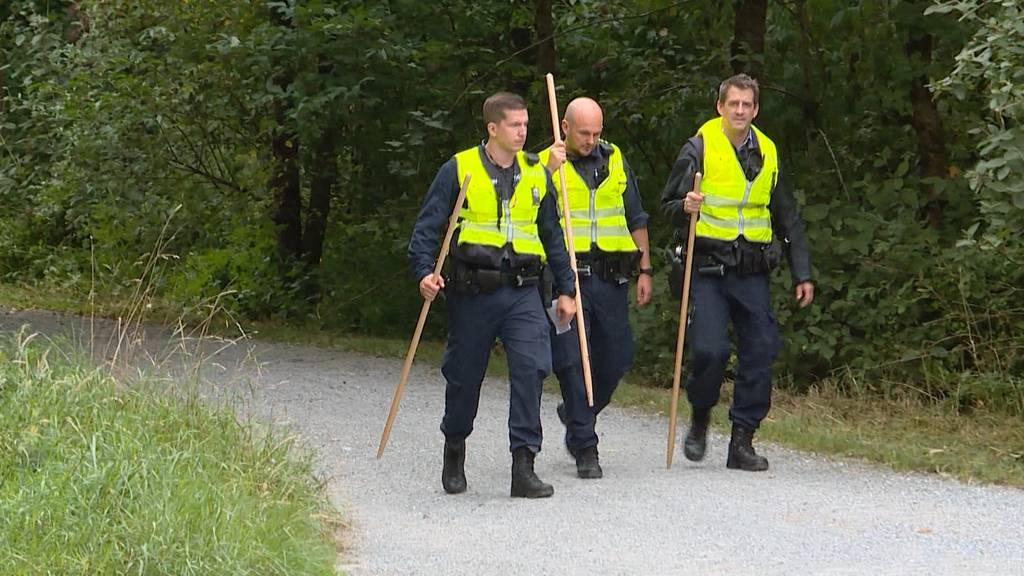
[
  {"x": 751, "y": 140},
  {"x": 595, "y": 154},
  {"x": 488, "y": 162}
]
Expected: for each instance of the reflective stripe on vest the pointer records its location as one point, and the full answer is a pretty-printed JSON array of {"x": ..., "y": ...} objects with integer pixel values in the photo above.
[
  {"x": 732, "y": 205},
  {"x": 597, "y": 216},
  {"x": 479, "y": 222}
]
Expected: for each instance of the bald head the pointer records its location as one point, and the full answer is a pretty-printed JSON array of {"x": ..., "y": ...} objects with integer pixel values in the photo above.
[
  {"x": 583, "y": 108},
  {"x": 582, "y": 125}
]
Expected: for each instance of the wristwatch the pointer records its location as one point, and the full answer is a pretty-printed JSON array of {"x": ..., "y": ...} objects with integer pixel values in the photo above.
[{"x": 649, "y": 271}]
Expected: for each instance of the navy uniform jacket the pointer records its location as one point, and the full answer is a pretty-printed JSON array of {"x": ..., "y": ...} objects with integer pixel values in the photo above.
[
  {"x": 440, "y": 201},
  {"x": 786, "y": 223}
]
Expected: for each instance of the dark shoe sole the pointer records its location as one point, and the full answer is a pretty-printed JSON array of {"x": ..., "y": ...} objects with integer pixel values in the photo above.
[
  {"x": 539, "y": 494},
  {"x": 732, "y": 465},
  {"x": 694, "y": 454},
  {"x": 453, "y": 489},
  {"x": 588, "y": 465}
]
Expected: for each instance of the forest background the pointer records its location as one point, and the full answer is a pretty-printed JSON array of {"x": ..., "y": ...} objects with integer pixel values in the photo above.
[{"x": 272, "y": 156}]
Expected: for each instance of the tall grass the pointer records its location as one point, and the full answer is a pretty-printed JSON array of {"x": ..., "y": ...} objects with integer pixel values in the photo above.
[{"x": 100, "y": 478}]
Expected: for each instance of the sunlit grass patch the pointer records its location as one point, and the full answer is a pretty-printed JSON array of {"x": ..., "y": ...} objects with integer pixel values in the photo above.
[{"x": 98, "y": 478}]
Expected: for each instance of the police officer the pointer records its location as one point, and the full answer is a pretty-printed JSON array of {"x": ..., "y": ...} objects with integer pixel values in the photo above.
[
  {"x": 747, "y": 213},
  {"x": 508, "y": 229},
  {"x": 610, "y": 237}
]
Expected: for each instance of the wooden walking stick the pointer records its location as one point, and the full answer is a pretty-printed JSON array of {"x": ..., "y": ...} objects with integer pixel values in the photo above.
[
  {"x": 566, "y": 217},
  {"x": 681, "y": 337},
  {"x": 422, "y": 320}
]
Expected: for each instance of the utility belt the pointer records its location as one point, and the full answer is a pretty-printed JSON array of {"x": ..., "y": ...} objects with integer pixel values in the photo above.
[
  {"x": 757, "y": 258},
  {"x": 477, "y": 280},
  {"x": 612, "y": 267},
  {"x": 744, "y": 259}
]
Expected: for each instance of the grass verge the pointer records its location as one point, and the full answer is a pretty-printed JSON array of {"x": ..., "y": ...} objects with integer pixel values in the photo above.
[
  {"x": 983, "y": 446},
  {"x": 98, "y": 478}
]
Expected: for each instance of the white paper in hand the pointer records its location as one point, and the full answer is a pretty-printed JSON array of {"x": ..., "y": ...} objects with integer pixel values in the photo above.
[{"x": 560, "y": 328}]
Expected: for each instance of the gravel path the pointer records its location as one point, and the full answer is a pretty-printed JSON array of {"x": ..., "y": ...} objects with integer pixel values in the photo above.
[{"x": 807, "y": 515}]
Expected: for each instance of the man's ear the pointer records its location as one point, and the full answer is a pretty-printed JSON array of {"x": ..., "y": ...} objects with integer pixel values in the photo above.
[
  {"x": 565, "y": 127},
  {"x": 492, "y": 129}
]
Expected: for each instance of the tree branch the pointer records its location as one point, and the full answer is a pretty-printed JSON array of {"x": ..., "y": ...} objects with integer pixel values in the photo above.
[{"x": 554, "y": 35}]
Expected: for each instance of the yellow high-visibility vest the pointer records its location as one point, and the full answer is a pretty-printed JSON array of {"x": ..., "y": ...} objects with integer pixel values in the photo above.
[
  {"x": 479, "y": 222},
  {"x": 598, "y": 217},
  {"x": 734, "y": 206}
]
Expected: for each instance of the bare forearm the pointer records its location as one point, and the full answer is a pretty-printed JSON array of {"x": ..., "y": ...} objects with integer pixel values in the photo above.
[{"x": 642, "y": 242}]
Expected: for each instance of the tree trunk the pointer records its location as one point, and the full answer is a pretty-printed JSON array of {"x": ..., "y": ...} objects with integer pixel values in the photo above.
[
  {"x": 323, "y": 178},
  {"x": 748, "y": 37},
  {"x": 931, "y": 142},
  {"x": 284, "y": 182},
  {"x": 78, "y": 23},
  {"x": 544, "y": 29},
  {"x": 284, "y": 178},
  {"x": 807, "y": 66}
]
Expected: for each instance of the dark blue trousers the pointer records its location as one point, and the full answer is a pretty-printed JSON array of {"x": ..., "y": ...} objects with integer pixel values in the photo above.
[
  {"x": 474, "y": 321},
  {"x": 715, "y": 301},
  {"x": 610, "y": 343}
]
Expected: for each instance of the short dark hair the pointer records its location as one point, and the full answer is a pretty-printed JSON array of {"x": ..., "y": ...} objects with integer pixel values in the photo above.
[
  {"x": 741, "y": 81},
  {"x": 497, "y": 103}
]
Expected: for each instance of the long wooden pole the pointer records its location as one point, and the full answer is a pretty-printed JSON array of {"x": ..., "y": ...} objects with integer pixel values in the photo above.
[
  {"x": 681, "y": 337},
  {"x": 581, "y": 329},
  {"x": 422, "y": 320}
]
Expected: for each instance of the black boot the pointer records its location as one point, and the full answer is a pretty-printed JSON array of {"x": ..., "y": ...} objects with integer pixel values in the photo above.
[
  {"x": 587, "y": 464},
  {"x": 453, "y": 476},
  {"x": 525, "y": 483},
  {"x": 741, "y": 451},
  {"x": 696, "y": 442}
]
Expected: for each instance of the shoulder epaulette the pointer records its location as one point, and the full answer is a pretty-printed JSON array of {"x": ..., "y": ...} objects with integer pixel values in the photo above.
[
  {"x": 531, "y": 158},
  {"x": 606, "y": 148}
]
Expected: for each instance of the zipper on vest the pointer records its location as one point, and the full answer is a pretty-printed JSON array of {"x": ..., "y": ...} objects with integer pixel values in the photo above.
[
  {"x": 497, "y": 217},
  {"x": 593, "y": 212},
  {"x": 508, "y": 220},
  {"x": 509, "y": 225},
  {"x": 743, "y": 203}
]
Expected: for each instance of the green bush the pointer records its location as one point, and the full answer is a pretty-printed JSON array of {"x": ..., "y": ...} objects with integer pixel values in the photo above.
[{"x": 162, "y": 108}]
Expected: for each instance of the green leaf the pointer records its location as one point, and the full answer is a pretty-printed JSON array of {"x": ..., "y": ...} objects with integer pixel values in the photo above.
[{"x": 815, "y": 213}]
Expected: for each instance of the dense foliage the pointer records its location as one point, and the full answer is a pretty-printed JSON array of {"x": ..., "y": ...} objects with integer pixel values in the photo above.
[{"x": 293, "y": 140}]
